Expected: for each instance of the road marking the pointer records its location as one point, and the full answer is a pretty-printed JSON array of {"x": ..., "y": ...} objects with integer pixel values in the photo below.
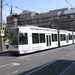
[
  {"x": 13, "y": 72},
  {"x": 4, "y": 65},
  {"x": 70, "y": 65},
  {"x": 49, "y": 64},
  {"x": 67, "y": 68},
  {"x": 9, "y": 65},
  {"x": 14, "y": 64},
  {"x": 40, "y": 67},
  {"x": 66, "y": 55},
  {"x": 25, "y": 57}
]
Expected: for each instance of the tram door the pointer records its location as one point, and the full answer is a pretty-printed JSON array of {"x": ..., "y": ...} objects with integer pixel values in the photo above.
[{"x": 48, "y": 40}]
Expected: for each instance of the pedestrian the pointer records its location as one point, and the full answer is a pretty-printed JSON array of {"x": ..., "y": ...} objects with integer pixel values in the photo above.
[{"x": 7, "y": 43}]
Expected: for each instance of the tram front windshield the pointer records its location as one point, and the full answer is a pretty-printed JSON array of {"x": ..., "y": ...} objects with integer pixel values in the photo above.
[{"x": 13, "y": 36}]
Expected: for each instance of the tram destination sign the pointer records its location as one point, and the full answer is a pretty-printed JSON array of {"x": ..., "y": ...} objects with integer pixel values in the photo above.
[{"x": 42, "y": 29}]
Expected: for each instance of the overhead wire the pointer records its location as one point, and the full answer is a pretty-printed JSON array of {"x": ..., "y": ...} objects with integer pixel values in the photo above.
[
  {"x": 69, "y": 3},
  {"x": 36, "y": 3},
  {"x": 14, "y": 7},
  {"x": 9, "y": 1},
  {"x": 8, "y": 4},
  {"x": 6, "y": 9}
]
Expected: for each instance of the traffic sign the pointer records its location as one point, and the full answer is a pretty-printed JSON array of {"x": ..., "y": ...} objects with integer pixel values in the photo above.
[{"x": 2, "y": 33}]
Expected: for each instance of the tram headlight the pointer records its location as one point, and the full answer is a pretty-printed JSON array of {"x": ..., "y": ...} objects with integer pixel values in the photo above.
[{"x": 15, "y": 46}]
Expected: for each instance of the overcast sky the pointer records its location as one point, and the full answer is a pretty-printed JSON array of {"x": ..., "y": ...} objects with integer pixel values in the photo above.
[{"x": 34, "y": 5}]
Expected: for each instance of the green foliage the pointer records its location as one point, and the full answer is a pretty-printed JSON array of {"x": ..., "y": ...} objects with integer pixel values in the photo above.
[
  {"x": 37, "y": 14},
  {"x": 5, "y": 38},
  {"x": 43, "y": 12},
  {"x": 5, "y": 33},
  {"x": 5, "y": 29}
]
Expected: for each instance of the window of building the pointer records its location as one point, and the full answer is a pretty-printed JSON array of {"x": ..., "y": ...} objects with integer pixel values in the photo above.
[
  {"x": 44, "y": 19},
  {"x": 9, "y": 18},
  {"x": 56, "y": 18},
  {"x": 49, "y": 18},
  {"x": 62, "y": 17},
  {"x": 23, "y": 16},
  {"x": 19, "y": 23},
  {"x": 28, "y": 21},
  {"x": 34, "y": 21},
  {"x": 71, "y": 16},
  {"x": 22, "y": 23},
  {"x": 40, "y": 20}
]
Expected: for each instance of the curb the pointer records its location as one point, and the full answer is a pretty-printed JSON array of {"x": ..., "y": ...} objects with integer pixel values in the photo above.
[{"x": 3, "y": 52}]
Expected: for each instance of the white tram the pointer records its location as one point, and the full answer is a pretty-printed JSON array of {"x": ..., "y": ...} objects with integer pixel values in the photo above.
[
  {"x": 28, "y": 39},
  {"x": 65, "y": 37},
  {"x": 73, "y": 37}
]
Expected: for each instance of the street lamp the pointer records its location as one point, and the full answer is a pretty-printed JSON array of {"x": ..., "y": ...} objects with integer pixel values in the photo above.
[
  {"x": 53, "y": 25},
  {"x": 72, "y": 24},
  {"x": 72, "y": 29},
  {"x": 1, "y": 1}
]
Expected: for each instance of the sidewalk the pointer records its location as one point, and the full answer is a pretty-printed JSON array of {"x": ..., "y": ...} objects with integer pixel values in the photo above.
[
  {"x": 4, "y": 51},
  {"x": 4, "y": 48}
]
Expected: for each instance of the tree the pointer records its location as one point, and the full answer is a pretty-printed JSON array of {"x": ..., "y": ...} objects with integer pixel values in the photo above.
[
  {"x": 5, "y": 33},
  {"x": 5, "y": 30}
]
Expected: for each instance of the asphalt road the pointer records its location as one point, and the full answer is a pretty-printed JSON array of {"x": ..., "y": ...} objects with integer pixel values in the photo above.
[{"x": 59, "y": 61}]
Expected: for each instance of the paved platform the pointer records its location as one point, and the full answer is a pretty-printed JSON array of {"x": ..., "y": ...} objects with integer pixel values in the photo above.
[{"x": 4, "y": 51}]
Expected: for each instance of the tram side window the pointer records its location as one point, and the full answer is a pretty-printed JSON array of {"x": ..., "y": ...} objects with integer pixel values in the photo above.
[
  {"x": 42, "y": 38},
  {"x": 35, "y": 38},
  {"x": 23, "y": 38},
  {"x": 70, "y": 37},
  {"x": 54, "y": 37},
  {"x": 63, "y": 37},
  {"x": 74, "y": 36}
]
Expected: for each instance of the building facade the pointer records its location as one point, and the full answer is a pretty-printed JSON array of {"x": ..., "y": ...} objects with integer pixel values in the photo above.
[{"x": 61, "y": 18}]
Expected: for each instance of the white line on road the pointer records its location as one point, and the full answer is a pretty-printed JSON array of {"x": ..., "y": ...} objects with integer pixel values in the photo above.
[
  {"x": 40, "y": 68},
  {"x": 11, "y": 64},
  {"x": 49, "y": 64},
  {"x": 13, "y": 72},
  {"x": 25, "y": 57},
  {"x": 67, "y": 68},
  {"x": 66, "y": 55}
]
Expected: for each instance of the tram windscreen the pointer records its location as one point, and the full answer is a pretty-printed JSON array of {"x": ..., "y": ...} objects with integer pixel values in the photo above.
[{"x": 13, "y": 36}]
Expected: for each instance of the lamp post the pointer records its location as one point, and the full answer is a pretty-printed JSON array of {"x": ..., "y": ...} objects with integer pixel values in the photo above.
[
  {"x": 72, "y": 29},
  {"x": 1, "y": 1},
  {"x": 53, "y": 24},
  {"x": 72, "y": 24}
]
